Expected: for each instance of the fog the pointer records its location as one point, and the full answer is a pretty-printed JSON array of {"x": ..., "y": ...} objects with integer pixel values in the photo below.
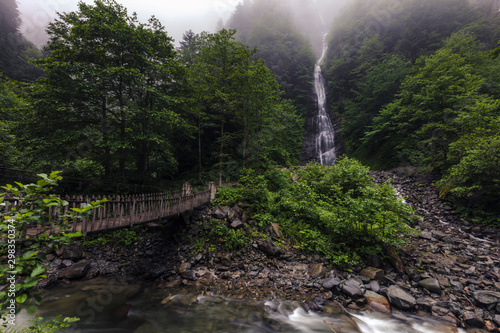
[{"x": 177, "y": 16}]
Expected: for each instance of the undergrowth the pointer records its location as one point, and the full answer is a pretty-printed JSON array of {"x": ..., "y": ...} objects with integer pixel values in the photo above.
[{"x": 337, "y": 211}]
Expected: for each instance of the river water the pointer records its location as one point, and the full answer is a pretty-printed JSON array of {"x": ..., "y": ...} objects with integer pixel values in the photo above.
[{"x": 112, "y": 306}]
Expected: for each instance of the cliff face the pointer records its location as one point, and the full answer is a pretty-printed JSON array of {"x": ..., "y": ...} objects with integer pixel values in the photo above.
[{"x": 493, "y": 5}]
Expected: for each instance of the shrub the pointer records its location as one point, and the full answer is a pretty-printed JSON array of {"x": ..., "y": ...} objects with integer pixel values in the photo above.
[
  {"x": 23, "y": 253},
  {"x": 337, "y": 211}
]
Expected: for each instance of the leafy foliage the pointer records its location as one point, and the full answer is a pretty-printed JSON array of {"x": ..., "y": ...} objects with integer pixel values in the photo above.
[
  {"x": 417, "y": 84},
  {"x": 336, "y": 211},
  {"x": 109, "y": 99},
  {"x": 23, "y": 253},
  {"x": 237, "y": 107}
]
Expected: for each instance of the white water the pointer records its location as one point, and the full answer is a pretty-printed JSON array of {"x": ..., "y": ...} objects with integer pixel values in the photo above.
[
  {"x": 309, "y": 322},
  {"x": 325, "y": 141}
]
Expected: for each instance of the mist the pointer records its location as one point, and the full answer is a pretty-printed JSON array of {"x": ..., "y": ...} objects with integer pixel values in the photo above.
[
  {"x": 176, "y": 16},
  {"x": 180, "y": 16}
]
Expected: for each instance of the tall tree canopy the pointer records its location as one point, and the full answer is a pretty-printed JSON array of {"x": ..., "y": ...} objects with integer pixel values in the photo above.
[
  {"x": 238, "y": 106},
  {"x": 107, "y": 105}
]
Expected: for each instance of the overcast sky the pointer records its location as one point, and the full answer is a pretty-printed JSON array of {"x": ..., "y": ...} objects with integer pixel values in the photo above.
[{"x": 177, "y": 16}]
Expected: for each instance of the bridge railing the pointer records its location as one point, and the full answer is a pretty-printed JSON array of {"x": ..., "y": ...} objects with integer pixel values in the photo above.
[{"x": 125, "y": 210}]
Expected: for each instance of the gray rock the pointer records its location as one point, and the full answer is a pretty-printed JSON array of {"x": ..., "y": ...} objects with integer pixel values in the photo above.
[
  {"x": 487, "y": 297},
  {"x": 75, "y": 271},
  {"x": 400, "y": 298},
  {"x": 430, "y": 284},
  {"x": 373, "y": 273},
  {"x": 218, "y": 213},
  {"x": 67, "y": 263},
  {"x": 269, "y": 248},
  {"x": 189, "y": 275},
  {"x": 72, "y": 252},
  {"x": 353, "y": 288},
  {"x": 456, "y": 285},
  {"x": 473, "y": 320},
  {"x": 234, "y": 213},
  {"x": 426, "y": 235},
  {"x": 374, "y": 286},
  {"x": 236, "y": 224},
  {"x": 497, "y": 320},
  {"x": 331, "y": 282}
]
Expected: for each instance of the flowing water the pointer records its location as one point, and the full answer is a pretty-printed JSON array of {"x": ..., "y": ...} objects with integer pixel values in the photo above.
[
  {"x": 325, "y": 141},
  {"x": 111, "y": 306}
]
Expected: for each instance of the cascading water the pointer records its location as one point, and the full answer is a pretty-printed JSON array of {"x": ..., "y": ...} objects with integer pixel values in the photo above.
[{"x": 325, "y": 140}]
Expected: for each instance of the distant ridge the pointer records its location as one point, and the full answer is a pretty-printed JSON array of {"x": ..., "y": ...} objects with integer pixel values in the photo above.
[{"x": 494, "y": 5}]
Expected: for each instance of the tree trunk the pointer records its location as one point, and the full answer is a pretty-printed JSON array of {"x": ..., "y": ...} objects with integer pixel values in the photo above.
[
  {"x": 221, "y": 152},
  {"x": 107, "y": 152},
  {"x": 199, "y": 149}
]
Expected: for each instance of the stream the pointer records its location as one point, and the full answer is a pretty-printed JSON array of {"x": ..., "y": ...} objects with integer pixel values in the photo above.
[{"x": 110, "y": 305}]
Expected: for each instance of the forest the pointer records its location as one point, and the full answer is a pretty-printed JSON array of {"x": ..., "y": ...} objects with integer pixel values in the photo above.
[
  {"x": 112, "y": 98},
  {"x": 416, "y": 83}
]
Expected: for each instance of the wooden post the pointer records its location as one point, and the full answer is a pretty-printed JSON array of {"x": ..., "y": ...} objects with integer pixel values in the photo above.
[
  {"x": 120, "y": 211},
  {"x": 84, "y": 222},
  {"x": 132, "y": 211},
  {"x": 213, "y": 190}
]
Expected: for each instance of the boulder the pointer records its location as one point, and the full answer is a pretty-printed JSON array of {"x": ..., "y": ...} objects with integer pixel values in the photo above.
[
  {"x": 430, "y": 284},
  {"x": 218, "y": 213},
  {"x": 71, "y": 252},
  {"x": 236, "y": 224},
  {"x": 75, "y": 271},
  {"x": 183, "y": 267},
  {"x": 316, "y": 270},
  {"x": 234, "y": 213},
  {"x": 353, "y": 288},
  {"x": 189, "y": 275},
  {"x": 374, "y": 286},
  {"x": 400, "y": 298},
  {"x": 330, "y": 283},
  {"x": 473, "y": 320},
  {"x": 378, "y": 302},
  {"x": 486, "y": 297},
  {"x": 269, "y": 248},
  {"x": 373, "y": 273}
]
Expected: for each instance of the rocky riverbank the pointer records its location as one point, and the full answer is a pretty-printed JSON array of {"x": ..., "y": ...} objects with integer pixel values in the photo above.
[{"x": 450, "y": 271}]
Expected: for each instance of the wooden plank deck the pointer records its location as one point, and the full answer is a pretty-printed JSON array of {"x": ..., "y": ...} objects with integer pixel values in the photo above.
[{"x": 126, "y": 211}]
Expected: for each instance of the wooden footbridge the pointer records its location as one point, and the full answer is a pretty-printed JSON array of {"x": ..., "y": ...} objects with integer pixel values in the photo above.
[{"x": 128, "y": 210}]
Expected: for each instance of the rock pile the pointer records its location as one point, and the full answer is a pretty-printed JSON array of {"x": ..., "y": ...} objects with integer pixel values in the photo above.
[{"x": 450, "y": 271}]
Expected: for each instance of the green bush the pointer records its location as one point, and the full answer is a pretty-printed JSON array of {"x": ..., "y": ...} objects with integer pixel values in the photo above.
[
  {"x": 23, "y": 253},
  {"x": 337, "y": 211}
]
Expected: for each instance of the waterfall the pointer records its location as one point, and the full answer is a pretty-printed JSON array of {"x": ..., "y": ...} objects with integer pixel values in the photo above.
[{"x": 325, "y": 140}]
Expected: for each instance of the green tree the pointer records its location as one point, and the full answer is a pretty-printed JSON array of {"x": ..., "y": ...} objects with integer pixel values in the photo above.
[
  {"x": 109, "y": 99},
  {"x": 237, "y": 106}
]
